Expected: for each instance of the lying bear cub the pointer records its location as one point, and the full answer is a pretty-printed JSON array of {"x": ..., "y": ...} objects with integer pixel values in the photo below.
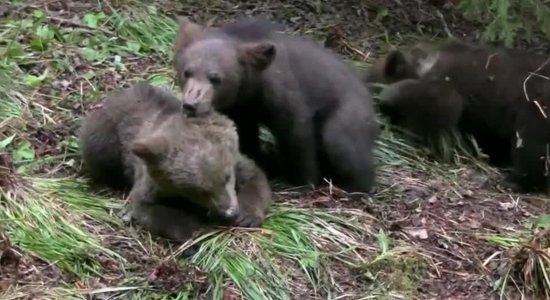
[{"x": 184, "y": 173}]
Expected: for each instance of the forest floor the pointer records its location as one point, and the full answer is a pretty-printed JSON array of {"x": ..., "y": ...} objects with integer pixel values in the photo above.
[{"x": 429, "y": 231}]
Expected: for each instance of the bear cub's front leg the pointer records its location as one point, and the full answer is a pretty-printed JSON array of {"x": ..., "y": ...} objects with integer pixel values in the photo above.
[{"x": 254, "y": 193}]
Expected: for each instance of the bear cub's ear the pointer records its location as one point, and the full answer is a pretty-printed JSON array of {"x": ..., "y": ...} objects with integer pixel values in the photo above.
[
  {"x": 150, "y": 148},
  {"x": 187, "y": 32},
  {"x": 259, "y": 55}
]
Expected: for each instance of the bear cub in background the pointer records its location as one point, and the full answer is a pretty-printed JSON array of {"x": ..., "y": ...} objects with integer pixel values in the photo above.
[
  {"x": 313, "y": 102},
  {"x": 184, "y": 173},
  {"x": 500, "y": 96}
]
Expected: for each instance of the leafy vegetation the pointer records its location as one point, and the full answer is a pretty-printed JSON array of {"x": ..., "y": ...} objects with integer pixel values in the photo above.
[{"x": 507, "y": 19}]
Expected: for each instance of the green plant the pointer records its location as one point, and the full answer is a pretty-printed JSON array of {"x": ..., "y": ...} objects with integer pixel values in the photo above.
[{"x": 505, "y": 19}]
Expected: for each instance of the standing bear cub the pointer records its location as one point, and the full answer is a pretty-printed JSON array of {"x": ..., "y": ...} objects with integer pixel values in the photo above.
[
  {"x": 500, "y": 96},
  {"x": 184, "y": 173},
  {"x": 316, "y": 105}
]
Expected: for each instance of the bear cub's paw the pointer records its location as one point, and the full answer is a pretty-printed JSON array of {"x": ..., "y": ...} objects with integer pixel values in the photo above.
[{"x": 248, "y": 219}]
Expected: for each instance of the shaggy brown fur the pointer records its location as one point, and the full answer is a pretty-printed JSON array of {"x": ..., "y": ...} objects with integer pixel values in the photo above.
[{"x": 184, "y": 172}]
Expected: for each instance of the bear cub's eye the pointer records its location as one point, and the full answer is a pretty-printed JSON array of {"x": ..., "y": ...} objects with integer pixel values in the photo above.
[
  {"x": 214, "y": 79},
  {"x": 187, "y": 73}
]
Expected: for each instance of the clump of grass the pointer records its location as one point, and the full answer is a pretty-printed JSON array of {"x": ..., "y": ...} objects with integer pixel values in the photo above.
[
  {"x": 526, "y": 260},
  {"x": 40, "y": 292},
  {"x": 145, "y": 30},
  {"x": 527, "y": 265},
  {"x": 45, "y": 224},
  {"x": 78, "y": 198},
  {"x": 293, "y": 251}
]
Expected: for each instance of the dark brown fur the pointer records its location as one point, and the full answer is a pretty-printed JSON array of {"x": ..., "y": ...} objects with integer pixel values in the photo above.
[
  {"x": 426, "y": 120},
  {"x": 313, "y": 102},
  {"x": 183, "y": 172},
  {"x": 481, "y": 90}
]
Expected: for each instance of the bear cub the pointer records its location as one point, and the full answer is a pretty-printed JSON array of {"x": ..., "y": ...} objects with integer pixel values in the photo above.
[
  {"x": 313, "y": 102},
  {"x": 500, "y": 96},
  {"x": 183, "y": 173}
]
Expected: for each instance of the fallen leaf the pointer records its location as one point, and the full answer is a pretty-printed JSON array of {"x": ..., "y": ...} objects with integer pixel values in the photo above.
[
  {"x": 420, "y": 233},
  {"x": 506, "y": 205}
]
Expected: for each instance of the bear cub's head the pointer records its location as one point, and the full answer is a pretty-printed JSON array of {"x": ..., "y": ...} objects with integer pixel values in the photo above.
[
  {"x": 212, "y": 66},
  {"x": 194, "y": 158}
]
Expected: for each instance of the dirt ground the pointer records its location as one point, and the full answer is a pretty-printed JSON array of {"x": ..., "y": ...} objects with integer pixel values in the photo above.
[{"x": 444, "y": 221}]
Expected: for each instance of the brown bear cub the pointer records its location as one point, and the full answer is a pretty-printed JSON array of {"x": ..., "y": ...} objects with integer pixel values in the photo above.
[
  {"x": 500, "y": 96},
  {"x": 317, "y": 107},
  {"x": 184, "y": 172}
]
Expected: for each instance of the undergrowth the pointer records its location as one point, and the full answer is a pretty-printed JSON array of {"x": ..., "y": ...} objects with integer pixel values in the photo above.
[
  {"x": 524, "y": 258},
  {"x": 507, "y": 19}
]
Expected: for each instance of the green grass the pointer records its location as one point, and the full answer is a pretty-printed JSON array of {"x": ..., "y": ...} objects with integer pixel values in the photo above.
[
  {"x": 45, "y": 223},
  {"x": 291, "y": 239},
  {"x": 50, "y": 73}
]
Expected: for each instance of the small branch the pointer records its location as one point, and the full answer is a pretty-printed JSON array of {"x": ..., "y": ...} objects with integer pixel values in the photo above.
[
  {"x": 447, "y": 30},
  {"x": 78, "y": 24},
  {"x": 529, "y": 77},
  {"x": 535, "y": 73},
  {"x": 74, "y": 23}
]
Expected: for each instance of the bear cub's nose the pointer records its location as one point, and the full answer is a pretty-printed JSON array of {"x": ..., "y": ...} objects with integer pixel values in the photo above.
[{"x": 190, "y": 108}]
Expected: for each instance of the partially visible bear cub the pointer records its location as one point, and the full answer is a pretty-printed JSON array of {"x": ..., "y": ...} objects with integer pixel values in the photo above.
[
  {"x": 498, "y": 95},
  {"x": 184, "y": 172}
]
